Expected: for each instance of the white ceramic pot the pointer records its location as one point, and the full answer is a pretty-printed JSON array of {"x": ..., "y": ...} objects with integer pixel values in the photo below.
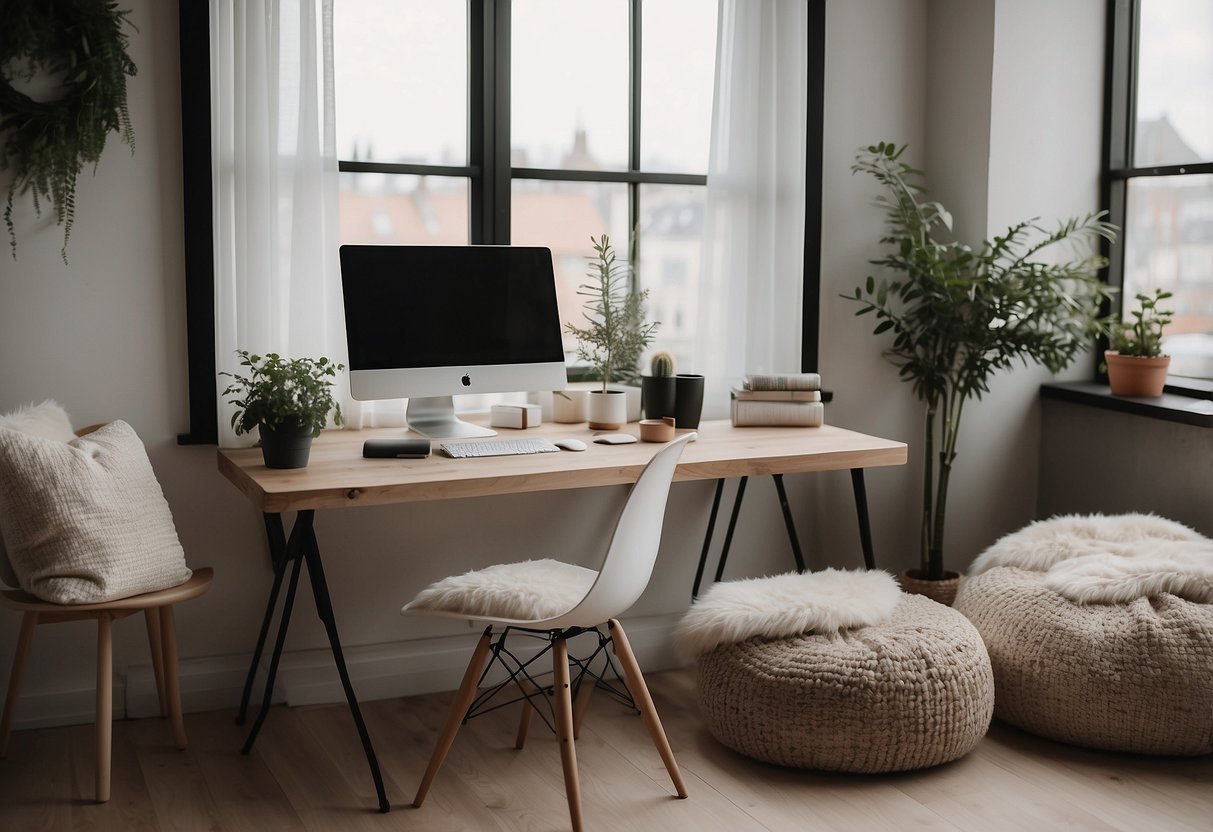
[
  {"x": 570, "y": 406},
  {"x": 608, "y": 410}
]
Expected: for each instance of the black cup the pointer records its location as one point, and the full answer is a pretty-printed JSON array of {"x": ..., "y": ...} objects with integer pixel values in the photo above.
[
  {"x": 688, "y": 400},
  {"x": 657, "y": 396}
]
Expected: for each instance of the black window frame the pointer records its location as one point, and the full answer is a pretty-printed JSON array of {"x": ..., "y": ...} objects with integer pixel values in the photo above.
[
  {"x": 488, "y": 170},
  {"x": 1120, "y": 119}
]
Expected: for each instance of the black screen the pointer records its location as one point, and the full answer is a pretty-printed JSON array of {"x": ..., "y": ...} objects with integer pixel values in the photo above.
[{"x": 449, "y": 306}]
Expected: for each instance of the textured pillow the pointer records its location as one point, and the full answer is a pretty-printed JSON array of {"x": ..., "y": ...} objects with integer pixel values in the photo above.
[
  {"x": 86, "y": 521},
  {"x": 786, "y": 605},
  {"x": 528, "y": 591}
]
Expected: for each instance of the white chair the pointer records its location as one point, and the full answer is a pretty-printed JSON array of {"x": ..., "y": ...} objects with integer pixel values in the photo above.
[{"x": 483, "y": 595}]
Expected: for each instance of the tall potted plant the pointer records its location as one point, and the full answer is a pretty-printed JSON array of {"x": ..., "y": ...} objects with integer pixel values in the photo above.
[
  {"x": 958, "y": 315},
  {"x": 615, "y": 327},
  {"x": 1136, "y": 365},
  {"x": 287, "y": 400}
]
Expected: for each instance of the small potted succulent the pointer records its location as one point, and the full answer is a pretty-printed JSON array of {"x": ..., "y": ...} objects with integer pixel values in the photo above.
[
  {"x": 615, "y": 328},
  {"x": 657, "y": 388},
  {"x": 287, "y": 400},
  {"x": 1136, "y": 365}
]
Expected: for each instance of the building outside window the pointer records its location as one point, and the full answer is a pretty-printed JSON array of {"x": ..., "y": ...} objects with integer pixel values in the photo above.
[{"x": 1160, "y": 167}]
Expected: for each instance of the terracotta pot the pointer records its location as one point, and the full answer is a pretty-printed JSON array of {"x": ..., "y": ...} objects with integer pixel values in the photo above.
[
  {"x": 942, "y": 591},
  {"x": 1131, "y": 375}
]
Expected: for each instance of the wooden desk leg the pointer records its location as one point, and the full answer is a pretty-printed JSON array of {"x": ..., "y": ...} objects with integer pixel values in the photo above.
[
  {"x": 861, "y": 509},
  {"x": 324, "y": 608},
  {"x": 277, "y": 541},
  {"x": 787, "y": 520},
  {"x": 707, "y": 540}
]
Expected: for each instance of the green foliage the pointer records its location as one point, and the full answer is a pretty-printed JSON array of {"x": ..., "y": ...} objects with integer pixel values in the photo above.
[
  {"x": 661, "y": 365},
  {"x": 279, "y": 390},
  {"x": 1143, "y": 336},
  {"x": 959, "y": 315},
  {"x": 49, "y": 142},
  {"x": 615, "y": 332}
]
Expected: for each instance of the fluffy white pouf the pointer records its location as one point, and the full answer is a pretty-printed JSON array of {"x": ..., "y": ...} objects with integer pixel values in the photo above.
[{"x": 1100, "y": 632}]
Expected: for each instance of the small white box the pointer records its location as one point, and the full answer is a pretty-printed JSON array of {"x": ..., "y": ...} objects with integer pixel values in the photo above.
[{"x": 519, "y": 416}]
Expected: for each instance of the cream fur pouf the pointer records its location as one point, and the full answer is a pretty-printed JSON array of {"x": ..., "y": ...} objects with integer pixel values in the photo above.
[
  {"x": 1100, "y": 632},
  {"x": 909, "y": 690}
]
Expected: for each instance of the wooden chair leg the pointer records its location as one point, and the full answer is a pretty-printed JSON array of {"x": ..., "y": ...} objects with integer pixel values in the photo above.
[
  {"x": 105, "y": 703},
  {"x": 459, "y": 709},
  {"x": 524, "y": 719},
  {"x": 151, "y": 616},
  {"x": 28, "y": 622},
  {"x": 584, "y": 693},
  {"x": 563, "y": 695},
  {"x": 640, "y": 695},
  {"x": 172, "y": 682}
]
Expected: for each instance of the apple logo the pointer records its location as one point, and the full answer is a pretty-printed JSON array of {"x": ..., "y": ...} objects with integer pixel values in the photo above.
[{"x": 467, "y": 380}]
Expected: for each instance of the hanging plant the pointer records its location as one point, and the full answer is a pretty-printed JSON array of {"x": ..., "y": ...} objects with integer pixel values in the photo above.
[{"x": 82, "y": 45}]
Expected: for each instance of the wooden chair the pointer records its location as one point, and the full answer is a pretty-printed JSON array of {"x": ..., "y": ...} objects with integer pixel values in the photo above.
[
  {"x": 157, "y": 608},
  {"x": 616, "y": 587}
]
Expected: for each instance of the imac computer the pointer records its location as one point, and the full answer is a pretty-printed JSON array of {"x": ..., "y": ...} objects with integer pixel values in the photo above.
[{"x": 430, "y": 322}]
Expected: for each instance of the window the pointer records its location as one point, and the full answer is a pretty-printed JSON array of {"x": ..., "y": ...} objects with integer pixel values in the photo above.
[
  {"x": 1159, "y": 163},
  {"x": 598, "y": 112}
]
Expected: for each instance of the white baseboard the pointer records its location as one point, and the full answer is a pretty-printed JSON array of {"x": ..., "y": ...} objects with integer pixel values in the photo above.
[{"x": 308, "y": 677}]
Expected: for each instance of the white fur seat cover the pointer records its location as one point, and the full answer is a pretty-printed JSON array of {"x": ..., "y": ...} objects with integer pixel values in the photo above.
[
  {"x": 911, "y": 689},
  {"x": 532, "y": 590},
  {"x": 1100, "y": 631}
]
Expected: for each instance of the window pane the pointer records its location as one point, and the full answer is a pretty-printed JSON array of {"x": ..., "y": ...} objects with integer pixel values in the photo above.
[
  {"x": 391, "y": 208},
  {"x": 569, "y": 84},
  {"x": 1169, "y": 245},
  {"x": 401, "y": 80},
  {"x": 1175, "y": 68},
  {"x": 677, "y": 72},
  {"x": 671, "y": 226},
  {"x": 563, "y": 216}
]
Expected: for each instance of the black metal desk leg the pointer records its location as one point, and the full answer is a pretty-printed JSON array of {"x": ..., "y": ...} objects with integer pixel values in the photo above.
[
  {"x": 277, "y": 540},
  {"x": 728, "y": 535},
  {"x": 787, "y": 519},
  {"x": 861, "y": 509},
  {"x": 283, "y": 623},
  {"x": 324, "y": 608},
  {"x": 707, "y": 540}
]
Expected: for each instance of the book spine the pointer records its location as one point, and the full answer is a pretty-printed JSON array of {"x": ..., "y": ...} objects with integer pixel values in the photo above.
[
  {"x": 790, "y": 414},
  {"x": 783, "y": 381},
  {"x": 778, "y": 395}
]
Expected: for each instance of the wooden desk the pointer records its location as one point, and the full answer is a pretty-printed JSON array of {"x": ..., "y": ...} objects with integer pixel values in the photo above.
[{"x": 338, "y": 477}]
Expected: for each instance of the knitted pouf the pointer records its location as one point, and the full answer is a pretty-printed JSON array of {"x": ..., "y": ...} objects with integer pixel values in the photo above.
[
  {"x": 912, "y": 691},
  {"x": 1133, "y": 672}
]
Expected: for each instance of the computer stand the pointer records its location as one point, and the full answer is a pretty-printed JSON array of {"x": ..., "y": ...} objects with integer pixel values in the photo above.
[{"x": 434, "y": 418}]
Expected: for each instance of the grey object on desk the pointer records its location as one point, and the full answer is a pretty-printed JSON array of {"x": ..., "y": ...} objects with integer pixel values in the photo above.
[
  {"x": 570, "y": 444},
  {"x": 615, "y": 439}
]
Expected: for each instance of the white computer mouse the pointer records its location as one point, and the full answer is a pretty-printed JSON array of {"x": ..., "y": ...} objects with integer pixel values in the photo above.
[
  {"x": 570, "y": 444},
  {"x": 615, "y": 438}
]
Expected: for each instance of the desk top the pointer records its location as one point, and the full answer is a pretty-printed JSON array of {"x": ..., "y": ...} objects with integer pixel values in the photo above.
[{"x": 337, "y": 475}]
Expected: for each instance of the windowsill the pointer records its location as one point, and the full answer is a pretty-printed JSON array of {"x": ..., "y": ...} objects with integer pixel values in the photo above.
[{"x": 1169, "y": 407}]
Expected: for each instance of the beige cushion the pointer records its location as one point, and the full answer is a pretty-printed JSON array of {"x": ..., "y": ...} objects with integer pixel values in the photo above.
[
  {"x": 86, "y": 521},
  {"x": 532, "y": 590}
]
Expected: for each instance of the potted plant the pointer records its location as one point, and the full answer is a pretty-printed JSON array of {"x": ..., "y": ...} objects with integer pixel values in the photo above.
[
  {"x": 615, "y": 327},
  {"x": 1136, "y": 365},
  {"x": 958, "y": 315},
  {"x": 287, "y": 400},
  {"x": 657, "y": 388}
]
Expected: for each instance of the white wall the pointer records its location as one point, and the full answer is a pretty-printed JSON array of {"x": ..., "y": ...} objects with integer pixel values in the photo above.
[{"x": 105, "y": 336}]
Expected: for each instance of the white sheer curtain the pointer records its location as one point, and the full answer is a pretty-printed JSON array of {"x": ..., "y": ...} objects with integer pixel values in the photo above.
[
  {"x": 274, "y": 185},
  {"x": 751, "y": 281}
]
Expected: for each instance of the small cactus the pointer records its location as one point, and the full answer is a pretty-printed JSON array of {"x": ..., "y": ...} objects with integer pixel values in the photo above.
[{"x": 662, "y": 364}]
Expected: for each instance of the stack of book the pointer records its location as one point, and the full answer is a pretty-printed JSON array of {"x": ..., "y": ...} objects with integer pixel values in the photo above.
[{"x": 792, "y": 399}]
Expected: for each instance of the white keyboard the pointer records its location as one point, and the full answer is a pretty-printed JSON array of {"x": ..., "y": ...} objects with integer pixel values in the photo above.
[{"x": 497, "y": 447}]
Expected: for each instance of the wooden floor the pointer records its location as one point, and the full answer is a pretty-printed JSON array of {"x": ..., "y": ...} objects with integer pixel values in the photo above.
[{"x": 308, "y": 773}]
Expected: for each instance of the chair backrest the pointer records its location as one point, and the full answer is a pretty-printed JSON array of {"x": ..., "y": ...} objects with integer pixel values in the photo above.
[{"x": 629, "y": 560}]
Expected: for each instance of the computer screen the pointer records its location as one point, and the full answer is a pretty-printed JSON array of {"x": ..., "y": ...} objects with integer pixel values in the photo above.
[{"x": 430, "y": 322}]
